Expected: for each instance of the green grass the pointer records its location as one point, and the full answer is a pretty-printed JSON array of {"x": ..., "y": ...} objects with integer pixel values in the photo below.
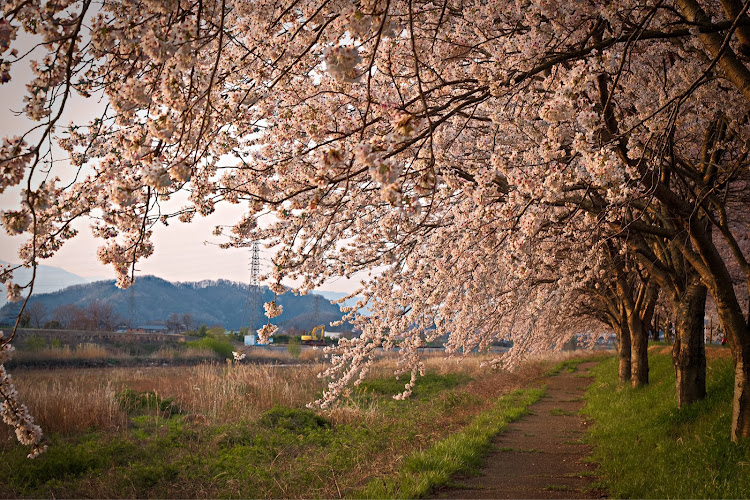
[
  {"x": 426, "y": 386},
  {"x": 647, "y": 448},
  {"x": 569, "y": 365},
  {"x": 462, "y": 451}
]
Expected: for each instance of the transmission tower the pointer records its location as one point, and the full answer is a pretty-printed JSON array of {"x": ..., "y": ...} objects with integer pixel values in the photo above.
[
  {"x": 254, "y": 294},
  {"x": 316, "y": 315},
  {"x": 131, "y": 306}
]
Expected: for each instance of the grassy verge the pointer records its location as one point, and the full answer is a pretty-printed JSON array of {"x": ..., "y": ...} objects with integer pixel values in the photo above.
[
  {"x": 461, "y": 451},
  {"x": 647, "y": 448}
]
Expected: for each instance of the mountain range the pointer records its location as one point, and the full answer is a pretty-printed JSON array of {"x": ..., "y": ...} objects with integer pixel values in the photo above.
[{"x": 151, "y": 300}]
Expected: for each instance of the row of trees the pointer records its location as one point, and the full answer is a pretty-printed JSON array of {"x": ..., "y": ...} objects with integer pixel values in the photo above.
[
  {"x": 180, "y": 322},
  {"x": 522, "y": 169},
  {"x": 96, "y": 315}
]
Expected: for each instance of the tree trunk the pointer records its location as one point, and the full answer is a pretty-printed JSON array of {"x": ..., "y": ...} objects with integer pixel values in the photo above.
[
  {"x": 623, "y": 352},
  {"x": 741, "y": 402},
  {"x": 639, "y": 351},
  {"x": 689, "y": 351},
  {"x": 668, "y": 333},
  {"x": 737, "y": 331}
]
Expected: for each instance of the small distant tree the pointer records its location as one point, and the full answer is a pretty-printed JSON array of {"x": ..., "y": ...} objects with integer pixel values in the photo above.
[
  {"x": 66, "y": 315},
  {"x": 25, "y": 320},
  {"x": 203, "y": 330},
  {"x": 187, "y": 321},
  {"x": 37, "y": 314},
  {"x": 174, "y": 323},
  {"x": 102, "y": 315},
  {"x": 35, "y": 343}
]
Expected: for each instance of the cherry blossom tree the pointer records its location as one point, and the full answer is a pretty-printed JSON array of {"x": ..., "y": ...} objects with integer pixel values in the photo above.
[{"x": 460, "y": 149}]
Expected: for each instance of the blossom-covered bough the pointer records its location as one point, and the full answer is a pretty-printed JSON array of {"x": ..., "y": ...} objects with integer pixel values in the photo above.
[{"x": 489, "y": 161}]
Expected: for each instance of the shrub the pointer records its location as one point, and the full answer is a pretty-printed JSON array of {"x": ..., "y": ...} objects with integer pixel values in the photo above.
[
  {"x": 35, "y": 343},
  {"x": 221, "y": 347},
  {"x": 294, "y": 348},
  {"x": 293, "y": 419},
  {"x": 134, "y": 402}
]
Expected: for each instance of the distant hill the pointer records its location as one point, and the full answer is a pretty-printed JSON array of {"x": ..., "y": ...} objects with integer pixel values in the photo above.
[{"x": 221, "y": 302}]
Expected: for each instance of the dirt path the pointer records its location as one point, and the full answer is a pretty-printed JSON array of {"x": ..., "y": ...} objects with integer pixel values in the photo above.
[{"x": 541, "y": 455}]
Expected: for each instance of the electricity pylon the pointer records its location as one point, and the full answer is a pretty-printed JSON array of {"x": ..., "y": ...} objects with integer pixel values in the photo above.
[{"x": 254, "y": 294}]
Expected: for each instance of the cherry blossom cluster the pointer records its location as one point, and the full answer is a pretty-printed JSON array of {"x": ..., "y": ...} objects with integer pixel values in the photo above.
[
  {"x": 13, "y": 412},
  {"x": 273, "y": 309}
]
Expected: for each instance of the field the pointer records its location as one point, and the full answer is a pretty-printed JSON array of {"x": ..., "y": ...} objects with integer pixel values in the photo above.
[{"x": 221, "y": 430}]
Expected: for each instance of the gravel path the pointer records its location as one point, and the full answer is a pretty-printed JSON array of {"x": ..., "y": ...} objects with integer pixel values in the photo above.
[{"x": 541, "y": 455}]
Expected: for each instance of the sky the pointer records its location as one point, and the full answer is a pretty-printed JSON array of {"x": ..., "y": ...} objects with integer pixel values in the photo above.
[{"x": 183, "y": 252}]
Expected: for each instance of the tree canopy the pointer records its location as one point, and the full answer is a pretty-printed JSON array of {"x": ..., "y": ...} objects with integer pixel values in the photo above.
[{"x": 505, "y": 168}]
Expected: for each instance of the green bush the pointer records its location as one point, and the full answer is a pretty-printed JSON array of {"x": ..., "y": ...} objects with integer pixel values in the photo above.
[
  {"x": 135, "y": 402},
  {"x": 221, "y": 347},
  {"x": 35, "y": 343},
  {"x": 294, "y": 348},
  {"x": 296, "y": 420}
]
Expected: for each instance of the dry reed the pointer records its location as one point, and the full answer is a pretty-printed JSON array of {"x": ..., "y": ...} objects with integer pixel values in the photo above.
[
  {"x": 75, "y": 400},
  {"x": 87, "y": 351}
]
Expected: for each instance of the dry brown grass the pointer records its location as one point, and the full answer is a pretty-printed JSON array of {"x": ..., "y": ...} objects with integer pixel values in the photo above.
[
  {"x": 717, "y": 352},
  {"x": 91, "y": 351},
  {"x": 712, "y": 351},
  {"x": 259, "y": 353},
  {"x": 66, "y": 352},
  {"x": 75, "y": 400},
  {"x": 70, "y": 400}
]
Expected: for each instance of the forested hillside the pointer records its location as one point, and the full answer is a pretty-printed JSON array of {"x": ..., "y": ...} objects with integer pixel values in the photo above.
[{"x": 152, "y": 300}]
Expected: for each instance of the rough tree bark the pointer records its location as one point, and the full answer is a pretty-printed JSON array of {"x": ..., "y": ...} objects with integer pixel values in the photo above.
[
  {"x": 689, "y": 351},
  {"x": 738, "y": 336},
  {"x": 623, "y": 352},
  {"x": 639, "y": 351}
]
